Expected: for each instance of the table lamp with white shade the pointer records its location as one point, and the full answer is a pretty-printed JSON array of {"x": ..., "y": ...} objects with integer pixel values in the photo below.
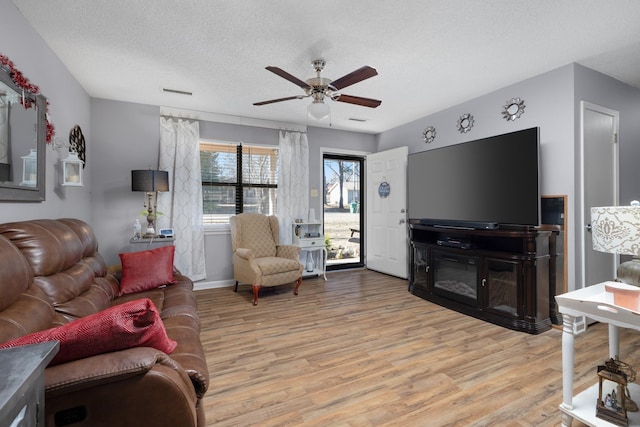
[{"x": 616, "y": 230}]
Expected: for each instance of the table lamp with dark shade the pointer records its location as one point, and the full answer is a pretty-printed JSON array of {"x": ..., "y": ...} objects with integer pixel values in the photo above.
[{"x": 150, "y": 181}]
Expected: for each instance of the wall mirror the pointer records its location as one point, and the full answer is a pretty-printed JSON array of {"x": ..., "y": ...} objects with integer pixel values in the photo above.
[{"x": 22, "y": 142}]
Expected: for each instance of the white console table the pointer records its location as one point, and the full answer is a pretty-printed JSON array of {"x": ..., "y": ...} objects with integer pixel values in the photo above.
[{"x": 593, "y": 302}]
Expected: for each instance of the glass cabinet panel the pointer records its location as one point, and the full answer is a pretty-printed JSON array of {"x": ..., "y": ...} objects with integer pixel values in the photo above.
[
  {"x": 501, "y": 285},
  {"x": 419, "y": 267}
]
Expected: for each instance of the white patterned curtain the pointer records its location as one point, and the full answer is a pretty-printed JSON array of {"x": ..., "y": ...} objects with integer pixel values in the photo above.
[
  {"x": 293, "y": 181},
  {"x": 180, "y": 156}
]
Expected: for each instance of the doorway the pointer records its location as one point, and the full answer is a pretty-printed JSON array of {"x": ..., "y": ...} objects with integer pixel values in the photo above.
[
  {"x": 388, "y": 246},
  {"x": 599, "y": 184},
  {"x": 343, "y": 210}
]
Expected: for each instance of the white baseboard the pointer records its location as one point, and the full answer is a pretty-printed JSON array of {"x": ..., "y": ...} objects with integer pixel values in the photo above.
[{"x": 201, "y": 285}]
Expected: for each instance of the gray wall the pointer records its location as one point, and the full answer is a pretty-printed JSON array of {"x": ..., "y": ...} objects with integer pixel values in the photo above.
[
  {"x": 597, "y": 88},
  {"x": 549, "y": 104},
  {"x": 126, "y": 137},
  {"x": 552, "y": 103},
  {"x": 69, "y": 106},
  {"x": 605, "y": 91}
]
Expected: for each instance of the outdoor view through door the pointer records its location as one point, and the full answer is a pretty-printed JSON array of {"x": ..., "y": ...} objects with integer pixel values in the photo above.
[{"x": 344, "y": 234}]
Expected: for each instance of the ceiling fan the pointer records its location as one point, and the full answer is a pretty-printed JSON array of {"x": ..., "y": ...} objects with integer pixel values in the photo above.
[{"x": 320, "y": 88}]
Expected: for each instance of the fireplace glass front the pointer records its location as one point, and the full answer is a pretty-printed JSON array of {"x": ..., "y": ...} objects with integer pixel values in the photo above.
[{"x": 456, "y": 276}]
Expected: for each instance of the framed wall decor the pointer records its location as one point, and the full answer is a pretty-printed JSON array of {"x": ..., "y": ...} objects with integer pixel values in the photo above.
[{"x": 24, "y": 133}]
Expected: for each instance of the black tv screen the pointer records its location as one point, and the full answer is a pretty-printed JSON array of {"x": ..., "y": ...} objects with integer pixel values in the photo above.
[{"x": 492, "y": 180}]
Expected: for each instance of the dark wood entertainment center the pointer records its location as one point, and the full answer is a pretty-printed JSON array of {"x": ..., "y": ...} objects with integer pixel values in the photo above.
[{"x": 499, "y": 275}]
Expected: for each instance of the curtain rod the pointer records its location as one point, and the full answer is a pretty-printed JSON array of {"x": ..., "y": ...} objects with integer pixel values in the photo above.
[
  {"x": 168, "y": 116},
  {"x": 223, "y": 118},
  {"x": 293, "y": 130}
]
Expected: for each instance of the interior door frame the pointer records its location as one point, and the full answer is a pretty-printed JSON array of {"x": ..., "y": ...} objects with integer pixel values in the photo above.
[
  {"x": 363, "y": 204},
  {"x": 582, "y": 220}
]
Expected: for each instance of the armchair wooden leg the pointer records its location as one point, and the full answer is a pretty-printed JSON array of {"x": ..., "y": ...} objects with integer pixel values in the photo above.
[
  {"x": 236, "y": 289},
  {"x": 295, "y": 291},
  {"x": 256, "y": 288}
]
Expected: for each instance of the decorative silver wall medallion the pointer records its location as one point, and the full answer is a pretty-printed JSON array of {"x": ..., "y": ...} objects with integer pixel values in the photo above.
[
  {"x": 465, "y": 123},
  {"x": 513, "y": 109},
  {"x": 429, "y": 134}
]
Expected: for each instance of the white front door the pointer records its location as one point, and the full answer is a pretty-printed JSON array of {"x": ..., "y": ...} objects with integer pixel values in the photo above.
[
  {"x": 600, "y": 185},
  {"x": 386, "y": 212}
]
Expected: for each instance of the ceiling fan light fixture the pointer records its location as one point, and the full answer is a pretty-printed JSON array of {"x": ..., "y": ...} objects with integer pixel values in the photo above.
[
  {"x": 318, "y": 109},
  {"x": 320, "y": 88}
]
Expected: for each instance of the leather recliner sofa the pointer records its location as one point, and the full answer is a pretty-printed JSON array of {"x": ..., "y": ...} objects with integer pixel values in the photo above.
[{"x": 51, "y": 273}]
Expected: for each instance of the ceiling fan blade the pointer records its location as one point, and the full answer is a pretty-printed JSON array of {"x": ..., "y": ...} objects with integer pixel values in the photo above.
[
  {"x": 271, "y": 101},
  {"x": 365, "y": 102},
  {"x": 354, "y": 77},
  {"x": 287, "y": 76}
]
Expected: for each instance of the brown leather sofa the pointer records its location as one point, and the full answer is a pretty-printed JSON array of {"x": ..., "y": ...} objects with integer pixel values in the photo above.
[{"x": 52, "y": 273}]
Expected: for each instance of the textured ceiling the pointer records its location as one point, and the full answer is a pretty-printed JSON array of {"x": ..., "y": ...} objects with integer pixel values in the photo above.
[{"x": 430, "y": 55}]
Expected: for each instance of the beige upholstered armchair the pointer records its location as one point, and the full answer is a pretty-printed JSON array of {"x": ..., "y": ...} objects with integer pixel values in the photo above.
[{"x": 258, "y": 259}]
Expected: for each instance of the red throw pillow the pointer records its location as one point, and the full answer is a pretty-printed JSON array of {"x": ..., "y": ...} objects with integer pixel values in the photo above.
[
  {"x": 146, "y": 269},
  {"x": 131, "y": 324}
]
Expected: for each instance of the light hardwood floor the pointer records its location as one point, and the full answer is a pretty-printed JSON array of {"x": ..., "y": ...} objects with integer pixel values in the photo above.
[{"x": 359, "y": 350}]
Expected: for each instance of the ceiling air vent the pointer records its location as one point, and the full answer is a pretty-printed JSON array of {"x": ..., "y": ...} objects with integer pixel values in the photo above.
[
  {"x": 353, "y": 119},
  {"x": 179, "y": 92}
]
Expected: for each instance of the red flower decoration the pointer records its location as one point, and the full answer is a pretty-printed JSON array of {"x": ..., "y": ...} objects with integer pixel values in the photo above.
[{"x": 22, "y": 82}]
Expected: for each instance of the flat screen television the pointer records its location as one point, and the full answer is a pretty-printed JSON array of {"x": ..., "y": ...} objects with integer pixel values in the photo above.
[{"x": 478, "y": 184}]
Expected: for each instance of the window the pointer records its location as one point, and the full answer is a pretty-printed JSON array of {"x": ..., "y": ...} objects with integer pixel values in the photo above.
[{"x": 237, "y": 178}]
